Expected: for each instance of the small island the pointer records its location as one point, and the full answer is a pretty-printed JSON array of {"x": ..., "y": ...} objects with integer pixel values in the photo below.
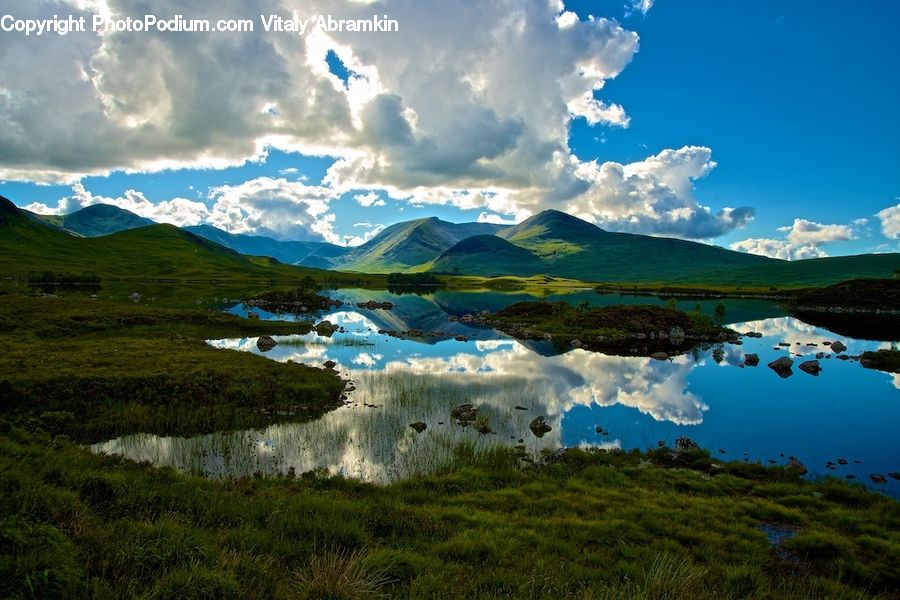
[{"x": 625, "y": 329}]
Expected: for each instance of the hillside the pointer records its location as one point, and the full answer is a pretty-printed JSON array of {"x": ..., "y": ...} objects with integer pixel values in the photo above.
[
  {"x": 310, "y": 254},
  {"x": 152, "y": 252},
  {"x": 486, "y": 254},
  {"x": 95, "y": 220},
  {"x": 404, "y": 245}
]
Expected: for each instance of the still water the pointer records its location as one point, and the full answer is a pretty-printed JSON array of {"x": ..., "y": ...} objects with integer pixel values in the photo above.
[{"x": 846, "y": 413}]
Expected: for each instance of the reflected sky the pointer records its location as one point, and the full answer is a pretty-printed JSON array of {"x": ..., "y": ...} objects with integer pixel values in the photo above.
[{"x": 747, "y": 413}]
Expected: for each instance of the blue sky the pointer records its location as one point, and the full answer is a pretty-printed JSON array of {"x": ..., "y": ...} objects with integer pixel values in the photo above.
[{"x": 795, "y": 103}]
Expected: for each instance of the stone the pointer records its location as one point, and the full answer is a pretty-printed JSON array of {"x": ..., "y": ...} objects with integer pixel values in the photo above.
[
  {"x": 811, "y": 366},
  {"x": 520, "y": 408},
  {"x": 464, "y": 413},
  {"x": 795, "y": 465},
  {"x": 419, "y": 426},
  {"x": 878, "y": 478},
  {"x": 325, "y": 328},
  {"x": 782, "y": 366},
  {"x": 329, "y": 364},
  {"x": 676, "y": 334},
  {"x": 685, "y": 443},
  {"x": 265, "y": 343},
  {"x": 539, "y": 427},
  {"x": 576, "y": 343},
  {"x": 135, "y": 297},
  {"x": 461, "y": 338},
  {"x": 838, "y": 347},
  {"x": 894, "y": 475},
  {"x": 659, "y": 356},
  {"x": 751, "y": 360}
]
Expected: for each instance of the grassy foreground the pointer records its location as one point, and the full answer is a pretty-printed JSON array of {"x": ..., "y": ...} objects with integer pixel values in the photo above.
[
  {"x": 93, "y": 369},
  {"x": 591, "y": 525},
  {"x": 586, "y": 525}
]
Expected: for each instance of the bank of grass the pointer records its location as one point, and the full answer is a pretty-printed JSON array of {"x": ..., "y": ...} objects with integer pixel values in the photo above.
[
  {"x": 608, "y": 327},
  {"x": 94, "y": 369},
  {"x": 882, "y": 360},
  {"x": 591, "y": 525}
]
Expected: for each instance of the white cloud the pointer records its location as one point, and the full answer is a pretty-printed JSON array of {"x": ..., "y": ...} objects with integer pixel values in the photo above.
[
  {"x": 810, "y": 233},
  {"x": 496, "y": 219},
  {"x": 643, "y": 6},
  {"x": 469, "y": 103},
  {"x": 654, "y": 196},
  {"x": 369, "y": 199},
  {"x": 890, "y": 222},
  {"x": 778, "y": 249}
]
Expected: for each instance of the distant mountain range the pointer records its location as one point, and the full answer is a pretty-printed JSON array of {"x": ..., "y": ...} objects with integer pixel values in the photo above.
[{"x": 549, "y": 243}]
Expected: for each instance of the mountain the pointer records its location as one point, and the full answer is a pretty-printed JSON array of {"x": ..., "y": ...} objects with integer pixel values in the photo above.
[
  {"x": 151, "y": 252},
  {"x": 565, "y": 246},
  {"x": 95, "y": 220},
  {"x": 405, "y": 245},
  {"x": 486, "y": 254},
  {"x": 309, "y": 254}
]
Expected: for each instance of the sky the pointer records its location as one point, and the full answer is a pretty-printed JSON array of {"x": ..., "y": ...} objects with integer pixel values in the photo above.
[{"x": 764, "y": 126}]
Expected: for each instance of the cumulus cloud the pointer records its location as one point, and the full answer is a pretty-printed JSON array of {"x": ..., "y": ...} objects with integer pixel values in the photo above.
[
  {"x": 654, "y": 196},
  {"x": 369, "y": 199},
  {"x": 890, "y": 222},
  {"x": 810, "y": 233},
  {"x": 470, "y": 103},
  {"x": 778, "y": 249}
]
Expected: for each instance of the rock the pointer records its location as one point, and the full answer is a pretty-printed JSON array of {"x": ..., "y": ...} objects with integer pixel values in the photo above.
[
  {"x": 842, "y": 357},
  {"x": 325, "y": 328},
  {"x": 464, "y": 413},
  {"x": 539, "y": 427},
  {"x": 811, "y": 366},
  {"x": 842, "y": 461},
  {"x": 415, "y": 333},
  {"x": 685, "y": 443},
  {"x": 483, "y": 428},
  {"x": 265, "y": 343},
  {"x": 782, "y": 366},
  {"x": 252, "y": 316},
  {"x": 452, "y": 318},
  {"x": 520, "y": 408},
  {"x": 877, "y": 478},
  {"x": 329, "y": 364},
  {"x": 577, "y": 344},
  {"x": 795, "y": 465},
  {"x": 467, "y": 318},
  {"x": 838, "y": 347},
  {"x": 894, "y": 475},
  {"x": 850, "y": 476},
  {"x": 135, "y": 297},
  {"x": 820, "y": 355},
  {"x": 785, "y": 344},
  {"x": 751, "y": 360},
  {"x": 659, "y": 356},
  {"x": 676, "y": 334},
  {"x": 419, "y": 426},
  {"x": 722, "y": 451},
  {"x": 461, "y": 338}
]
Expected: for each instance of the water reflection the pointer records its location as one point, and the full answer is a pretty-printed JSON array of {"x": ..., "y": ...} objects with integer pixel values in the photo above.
[{"x": 709, "y": 395}]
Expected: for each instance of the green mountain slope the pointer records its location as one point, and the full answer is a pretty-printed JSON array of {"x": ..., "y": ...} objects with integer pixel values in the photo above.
[
  {"x": 95, "y": 220},
  {"x": 566, "y": 246},
  {"x": 310, "y": 254},
  {"x": 152, "y": 252},
  {"x": 486, "y": 255},
  {"x": 404, "y": 245}
]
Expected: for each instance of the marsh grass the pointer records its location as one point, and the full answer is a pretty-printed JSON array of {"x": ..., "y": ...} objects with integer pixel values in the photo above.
[{"x": 341, "y": 574}]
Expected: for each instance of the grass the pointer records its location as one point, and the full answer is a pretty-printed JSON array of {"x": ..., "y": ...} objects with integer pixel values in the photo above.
[
  {"x": 96, "y": 369},
  {"x": 870, "y": 295},
  {"x": 591, "y": 525},
  {"x": 883, "y": 360},
  {"x": 604, "y": 327}
]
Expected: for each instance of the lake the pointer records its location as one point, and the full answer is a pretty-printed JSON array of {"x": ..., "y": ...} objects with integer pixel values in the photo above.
[{"x": 845, "y": 414}]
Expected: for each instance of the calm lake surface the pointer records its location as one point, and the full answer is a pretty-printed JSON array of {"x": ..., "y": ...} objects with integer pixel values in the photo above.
[{"x": 739, "y": 413}]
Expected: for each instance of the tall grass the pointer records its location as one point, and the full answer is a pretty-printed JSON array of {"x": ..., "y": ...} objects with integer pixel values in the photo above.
[{"x": 340, "y": 574}]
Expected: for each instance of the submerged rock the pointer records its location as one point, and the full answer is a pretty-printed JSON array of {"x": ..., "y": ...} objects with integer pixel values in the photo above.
[
  {"x": 782, "y": 366},
  {"x": 811, "y": 366},
  {"x": 751, "y": 360},
  {"x": 795, "y": 465},
  {"x": 539, "y": 427},
  {"x": 265, "y": 343},
  {"x": 878, "y": 478},
  {"x": 838, "y": 347},
  {"x": 326, "y": 328},
  {"x": 464, "y": 413},
  {"x": 659, "y": 356},
  {"x": 419, "y": 426}
]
